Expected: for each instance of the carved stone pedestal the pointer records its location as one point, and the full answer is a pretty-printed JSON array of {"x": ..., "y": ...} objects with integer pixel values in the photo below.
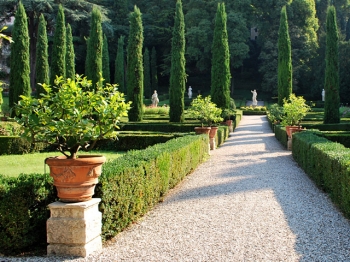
[{"x": 74, "y": 229}]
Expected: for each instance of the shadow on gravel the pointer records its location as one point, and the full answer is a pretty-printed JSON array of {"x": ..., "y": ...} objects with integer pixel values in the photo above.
[{"x": 322, "y": 232}]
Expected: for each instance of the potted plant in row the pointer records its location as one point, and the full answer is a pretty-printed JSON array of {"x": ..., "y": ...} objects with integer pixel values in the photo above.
[
  {"x": 294, "y": 109},
  {"x": 72, "y": 116},
  {"x": 203, "y": 109}
]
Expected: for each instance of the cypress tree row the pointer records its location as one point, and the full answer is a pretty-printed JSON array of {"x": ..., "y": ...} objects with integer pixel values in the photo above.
[
  {"x": 70, "y": 55},
  {"x": 19, "y": 76},
  {"x": 147, "y": 74},
  {"x": 105, "y": 61},
  {"x": 331, "y": 86},
  {"x": 154, "y": 74},
  {"x": 284, "y": 59},
  {"x": 220, "y": 70},
  {"x": 177, "y": 70},
  {"x": 135, "y": 66},
  {"x": 93, "y": 63},
  {"x": 42, "y": 57},
  {"x": 58, "y": 61},
  {"x": 119, "y": 75}
]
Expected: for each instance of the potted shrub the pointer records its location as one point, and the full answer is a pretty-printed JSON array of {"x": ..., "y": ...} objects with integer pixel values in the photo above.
[
  {"x": 294, "y": 108},
  {"x": 228, "y": 114},
  {"x": 207, "y": 112},
  {"x": 275, "y": 113},
  {"x": 72, "y": 116}
]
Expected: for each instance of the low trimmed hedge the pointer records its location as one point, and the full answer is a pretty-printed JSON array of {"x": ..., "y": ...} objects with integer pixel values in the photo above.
[
  {"x": 281, "y": 135},
  {"x": 342, "y": 137},
  {"x": 128, "y": 188},
  {"x": 327, "y": 163},
  {"x": 14, "y": 145}
]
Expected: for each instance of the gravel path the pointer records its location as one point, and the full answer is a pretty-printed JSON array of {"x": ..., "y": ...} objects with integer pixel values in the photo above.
[{"x": 249, "y": 202}]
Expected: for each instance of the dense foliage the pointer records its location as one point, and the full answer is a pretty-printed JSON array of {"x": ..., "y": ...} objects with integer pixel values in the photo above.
[
  {"x": 106, "y": 73},
  {"x": 119, "y": 75},
  {"x": 70, "y": 55}
]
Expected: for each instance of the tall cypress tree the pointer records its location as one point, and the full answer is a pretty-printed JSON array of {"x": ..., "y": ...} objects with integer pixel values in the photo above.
[
  {"x": 58, "y": 61},
  {"x": 154, "y": 74},
  {"x": 147, "y": 74},
  {"x": 135, "y": 66},
  {"x": 105, "y": 61},
  {"x": 220, "y": 69},
  {"x": 284, "y": 59},
  {"x": 93, "y": 63},
  {"x": 331, "y": 86},
  {"x": 119, "y": 75},
  {"x": 19, "y": 76},
  {"x": 42, "y": 56},
  {"x": 178, "y": 68},
  {"x": 70, "y": 55}
]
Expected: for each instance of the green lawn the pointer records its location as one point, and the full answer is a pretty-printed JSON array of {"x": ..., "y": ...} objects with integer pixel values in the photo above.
[{"x": 13, "y": 165}]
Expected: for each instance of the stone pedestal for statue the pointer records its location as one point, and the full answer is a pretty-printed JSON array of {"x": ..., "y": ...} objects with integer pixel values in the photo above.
[
  {"x": 289, "y": 144},
  {"x": 74, "y": 229}
]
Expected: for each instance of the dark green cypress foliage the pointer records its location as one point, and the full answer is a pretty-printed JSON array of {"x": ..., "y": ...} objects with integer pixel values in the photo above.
[
  {"x": 147, "y": 74},
  {"x": 58, "y": 61},
  {"x": 93, "y": 64},
  {"x": 154, "y": 74},
  {"x": 135, "y": 66},
  {"x": 42, "y": 56},
  {"x": 70, "y": 55},
  {"x": 177, "y": 70},
  {"x": 284, "y": 59},
  {"x": 220, "y": 69},
  {"x": 19, "y": 76},
  {"x": 119, "y": 75},
  {"x": 105, "y": 61},
  {"x": 331, "y": 86}
]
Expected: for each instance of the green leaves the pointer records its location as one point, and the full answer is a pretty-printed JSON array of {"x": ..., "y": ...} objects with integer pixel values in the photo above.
[
  {"x": 70, "y": 116},
  {"x": 205, "y": 110}
]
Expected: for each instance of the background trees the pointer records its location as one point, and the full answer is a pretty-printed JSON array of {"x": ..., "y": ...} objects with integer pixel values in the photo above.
[
  {"x": 19, "y": 77},
  {"x": 178, "y": 71},
  {"x": 135, "y": 66}
]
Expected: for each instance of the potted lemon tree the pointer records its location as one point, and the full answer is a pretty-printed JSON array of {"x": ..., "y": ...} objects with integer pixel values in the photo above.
[
  {"x": 294, "y": 109},
  {"x": 72, "y": 116},
  {"x": 203, "y": 109}
]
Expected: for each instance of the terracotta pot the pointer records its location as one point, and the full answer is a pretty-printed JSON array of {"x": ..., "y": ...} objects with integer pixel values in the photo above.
[
  {"x": 292, "y": 129},
  {"x": 213, "y": 131},
  {"x": 75, "y": 179},
  {"x": 202, "y": 130}
]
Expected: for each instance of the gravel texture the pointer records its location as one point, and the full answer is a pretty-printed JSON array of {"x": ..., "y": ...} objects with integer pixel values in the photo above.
[{"x": 249, "y": 202}]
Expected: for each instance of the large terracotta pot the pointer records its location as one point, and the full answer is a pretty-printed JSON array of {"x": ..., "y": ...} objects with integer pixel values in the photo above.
[
  {"x": 292, "y": 129},
  {"x": 213, "y": 131},
  {"x": 202, "y": 130},
  {"x": 75, "y": 179}
]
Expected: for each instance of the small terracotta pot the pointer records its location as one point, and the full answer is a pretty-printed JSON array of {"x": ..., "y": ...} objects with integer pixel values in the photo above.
[
  {"x": 75, "y": 179},
  {"x": 292, "y": 129}
]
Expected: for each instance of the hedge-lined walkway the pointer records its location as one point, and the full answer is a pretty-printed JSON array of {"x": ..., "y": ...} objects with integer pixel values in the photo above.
[{"x": 249, "y": 202}]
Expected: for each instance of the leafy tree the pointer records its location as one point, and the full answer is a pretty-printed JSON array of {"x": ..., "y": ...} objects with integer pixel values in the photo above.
[
  {"x": 147, "y": 74},
  {"x": 70, "y": 55},
  {"x": 135, "y": 66},
  {"x": 178, "y": 71},
  {"x": 331, "y": 87},
  {"x": 105, "y": 61},
  {"x": 42, "y": 56},
  {"x": 93, "y": 69},
  {"x": 19, "y": 76},
  {"x": 284, "y": 60},
  {"x": 220, "y": 70},
  {"x": 119, "y": 75},
  {"x": 154, "y": 73},
  {"x": 58, "y": 61}
]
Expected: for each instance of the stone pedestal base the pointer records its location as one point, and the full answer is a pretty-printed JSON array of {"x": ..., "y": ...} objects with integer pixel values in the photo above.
[
  {"x": 212, "y": 144},
  {"x": 74, "y": 229},
  {"x": 289, "y": 144}
]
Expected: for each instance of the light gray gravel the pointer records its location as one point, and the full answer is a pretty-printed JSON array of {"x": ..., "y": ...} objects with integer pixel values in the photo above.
[{"x": 249, "y": 202}]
